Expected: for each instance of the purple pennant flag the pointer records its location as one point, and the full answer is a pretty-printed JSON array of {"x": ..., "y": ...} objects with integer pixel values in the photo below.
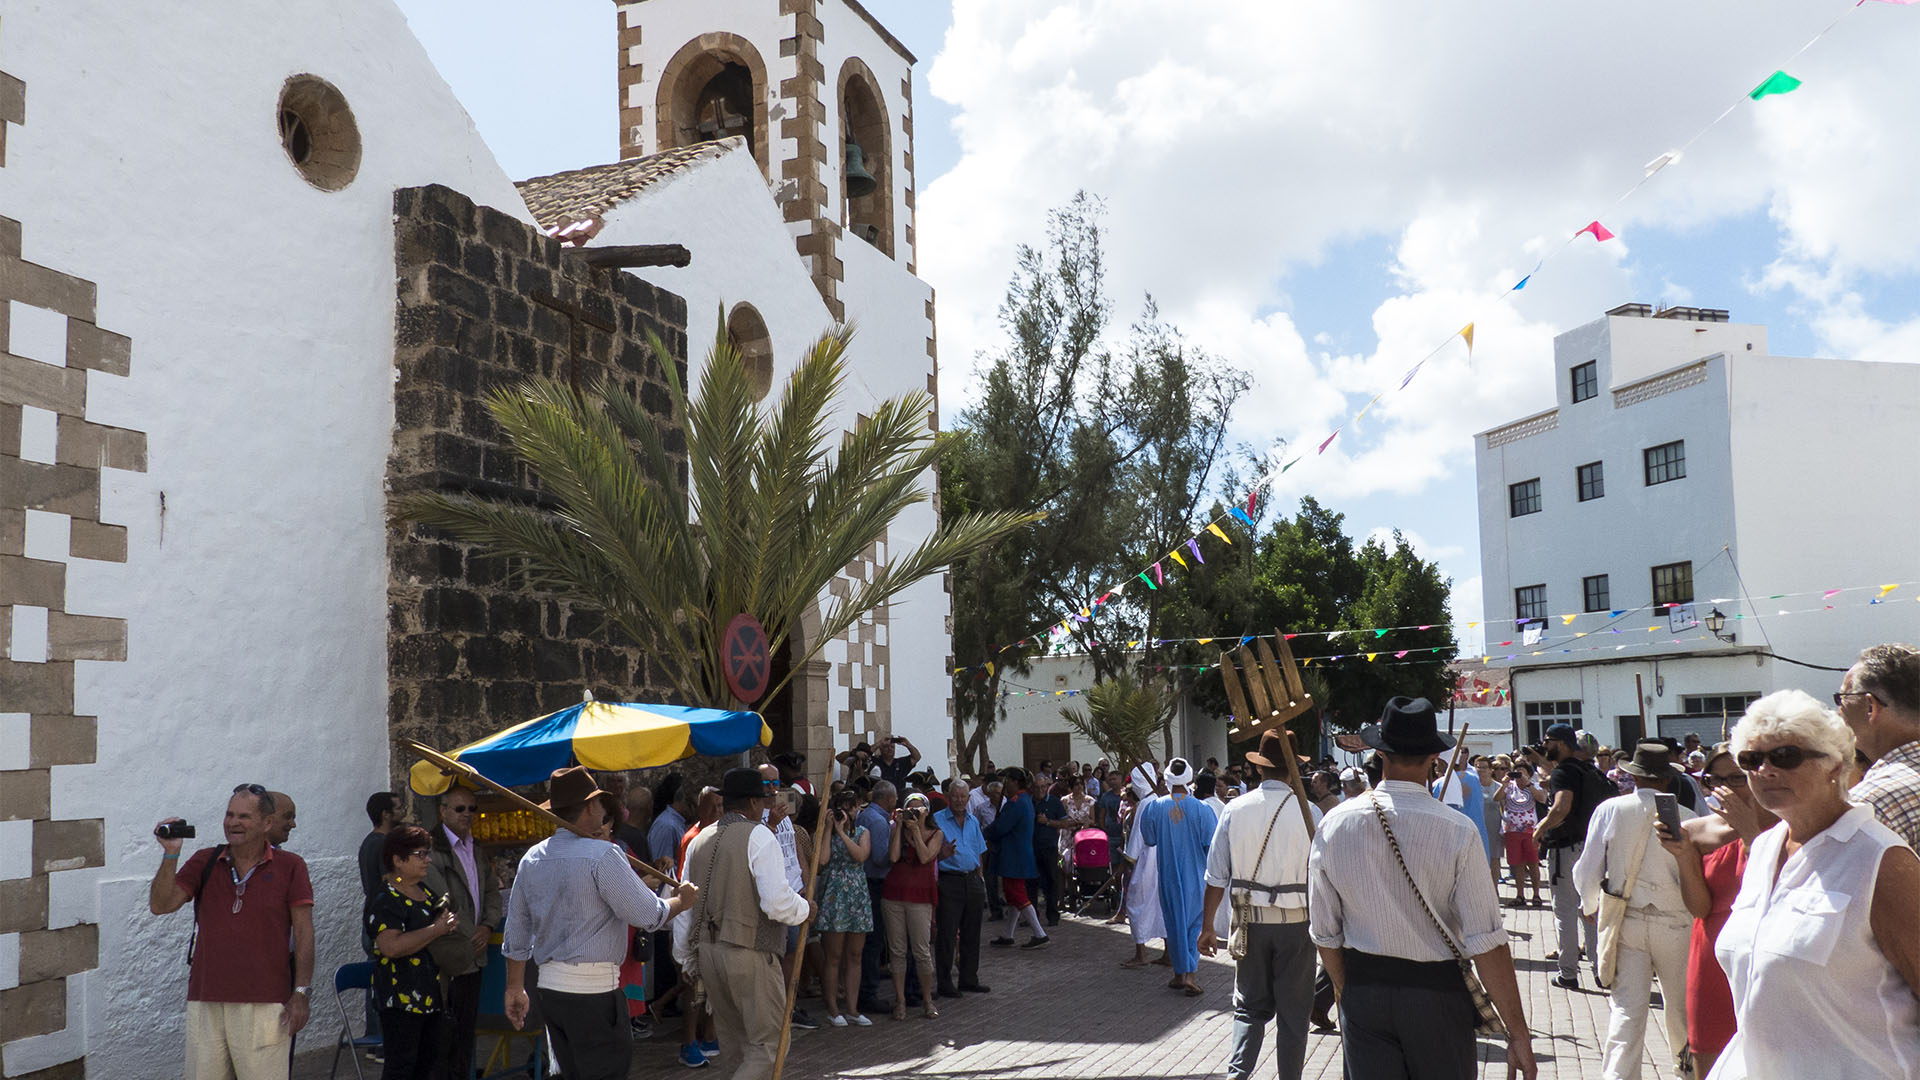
[{"x": 1195, "y": 545}]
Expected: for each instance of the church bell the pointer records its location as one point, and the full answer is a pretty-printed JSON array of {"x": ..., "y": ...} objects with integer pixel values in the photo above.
[{"x": 859, "y": 180}]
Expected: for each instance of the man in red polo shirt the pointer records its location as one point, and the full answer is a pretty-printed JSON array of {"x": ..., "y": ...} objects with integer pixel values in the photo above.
[{"x": 243, "y": 1008}]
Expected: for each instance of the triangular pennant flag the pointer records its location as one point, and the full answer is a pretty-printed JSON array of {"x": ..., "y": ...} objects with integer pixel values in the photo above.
[
  {"x": 1370, "y": 656},
  {"x": 1400, "y": 654},
  {"x": 1415, "y": 370},
  {"x": 1467, "y": 333},
  {"x": 1567, "y": 620},
  {"x": 1662, "y": 162},
  {"x": 1521, "y": 284},
  {"x": 1194, "y": 546},
  {"x": 989, "y": 669},
  {"x": 1216, "y": 530},
  {"x": 1159, "y": 574},
  {"x": 1599, "y": 231},
  {"x": 1885, "y": 589},
  {"x": 1289, "y": 465},
  {"x": 1150, "y": 584},
  {"x": 1178, "y": 559},
  {"x": 1244, "y": 519},
  {"x": 1204, "y": 641},
  {"x": 1777, "y": 83},
  {"x": 1252, "y": 497},
  {"x": 1364, "y": 408},
  {"x": 1382, "y": 632},
  {"x": 1329, "y": 442}
]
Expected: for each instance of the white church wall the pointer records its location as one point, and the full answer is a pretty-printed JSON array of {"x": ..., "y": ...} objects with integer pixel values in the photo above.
[
  {"x": 667, "y": 25},
  {"x": 261, "y": 314},
  {"x": 850, "y": 37}
]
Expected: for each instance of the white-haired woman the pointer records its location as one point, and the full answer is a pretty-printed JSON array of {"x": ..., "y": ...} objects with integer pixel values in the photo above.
[{"x": 1823, "y": 945}]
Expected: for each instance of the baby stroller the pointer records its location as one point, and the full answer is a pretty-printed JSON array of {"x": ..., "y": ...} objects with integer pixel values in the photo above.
[{"x": 1092, "y": 871}]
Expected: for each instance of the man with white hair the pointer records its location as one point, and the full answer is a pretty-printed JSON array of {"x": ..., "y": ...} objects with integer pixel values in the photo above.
[
  {"x": 1143, "y": 886},
  {"x": 1879, "y": 698},
  {"x": 1353, "y": 783},
  {"x": 1181, "y": 828}
]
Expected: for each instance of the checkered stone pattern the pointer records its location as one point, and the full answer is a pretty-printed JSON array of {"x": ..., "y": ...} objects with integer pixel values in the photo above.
[
  {"x": 51, "y": 459},
  {"x": 865, "y": 676}
]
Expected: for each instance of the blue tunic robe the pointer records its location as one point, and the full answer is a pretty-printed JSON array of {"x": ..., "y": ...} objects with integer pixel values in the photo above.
[{"x": 1180, "y": 828}]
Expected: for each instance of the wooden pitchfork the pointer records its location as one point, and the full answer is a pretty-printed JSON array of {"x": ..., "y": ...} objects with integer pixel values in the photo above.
[{"x": 1276, "y": 695}]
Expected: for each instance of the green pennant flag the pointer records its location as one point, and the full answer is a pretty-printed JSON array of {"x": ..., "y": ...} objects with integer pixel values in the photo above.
[{"x": 1777, "y": 83}]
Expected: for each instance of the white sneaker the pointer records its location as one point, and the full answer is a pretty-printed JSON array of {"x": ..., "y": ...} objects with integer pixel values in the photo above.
[
  {"x": 837, "y": 1020},
  {"x": 860, "y": 1020}
]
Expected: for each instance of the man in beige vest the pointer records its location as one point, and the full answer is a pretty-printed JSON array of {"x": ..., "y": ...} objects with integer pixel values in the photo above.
[{"x": 739, "y": 925}]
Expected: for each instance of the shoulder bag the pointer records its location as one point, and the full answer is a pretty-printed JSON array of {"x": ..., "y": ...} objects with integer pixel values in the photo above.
[
  {"x": 1613, "y": 912},
  {"x": 1240, "y": 892},
  {"x": 1489, "y": 1017}
]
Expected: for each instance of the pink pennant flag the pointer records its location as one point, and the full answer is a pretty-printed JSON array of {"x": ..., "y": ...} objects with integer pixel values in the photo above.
[
  {"x": 1159, "y": 575},
  {"x": 1598, "y": 230},
  {"x": 1829, "y": 592},
  {"x": 1400, "y": 654},
  {"x": 1329, "y": 442}
]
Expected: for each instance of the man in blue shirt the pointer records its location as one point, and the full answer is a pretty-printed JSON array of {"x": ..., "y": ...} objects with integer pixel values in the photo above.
[
  {"x": 1012, "y": 834},
  {"x": 877, "y": 817},
  {"x": 963, "y": 895},
  {"x": 1050, "y": 816}
]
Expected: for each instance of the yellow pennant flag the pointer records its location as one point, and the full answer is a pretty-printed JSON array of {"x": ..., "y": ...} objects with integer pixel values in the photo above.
[
  {"x": 1470, "y": 626},
  {"x": 1467, "y": 333},
  {"x": 1178, "y": 559},
  {"x": 1567, "y": 620},
  {"x": 1216, "y": 530},
  {"x": 1207, "y": 640},
  {"x": 989, "y": 667},
  {"x": 1370, "y": 656},
  {"x": 1885, "y": 589}
]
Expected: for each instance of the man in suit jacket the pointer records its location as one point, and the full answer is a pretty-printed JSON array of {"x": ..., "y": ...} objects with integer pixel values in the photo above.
[
  {"x": 1012, "y": 831},
  {"x": 457, "y": 869}
]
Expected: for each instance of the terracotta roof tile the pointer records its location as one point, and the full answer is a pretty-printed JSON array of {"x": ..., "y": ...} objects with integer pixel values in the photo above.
[{"x": 564, "y": 198}]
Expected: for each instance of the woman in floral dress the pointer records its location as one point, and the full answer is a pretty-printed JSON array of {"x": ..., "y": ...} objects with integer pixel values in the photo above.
[
  {"x": 846, "y": 911},
  {"x": 402, "y": 919}
]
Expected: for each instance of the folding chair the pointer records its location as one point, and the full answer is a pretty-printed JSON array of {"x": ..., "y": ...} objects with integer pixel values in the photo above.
[{"x": 347, "y": 978}]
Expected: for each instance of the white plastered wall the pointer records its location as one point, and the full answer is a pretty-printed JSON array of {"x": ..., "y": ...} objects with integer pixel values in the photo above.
[
  {"x": 667, "y": 25},
  {"x": 261, "y": 315},
  {"x": 848, "y": 36}
]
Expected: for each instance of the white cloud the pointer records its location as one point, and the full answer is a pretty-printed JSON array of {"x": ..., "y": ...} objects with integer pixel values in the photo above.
[{"x": 1235, "y": 143}]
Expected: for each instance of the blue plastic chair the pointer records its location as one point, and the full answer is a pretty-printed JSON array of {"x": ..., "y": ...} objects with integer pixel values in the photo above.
[{"x": 348, "y": 978}]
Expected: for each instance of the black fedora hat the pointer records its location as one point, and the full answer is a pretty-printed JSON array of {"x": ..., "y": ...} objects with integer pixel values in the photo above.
[{"x": 1407, "y": 726}]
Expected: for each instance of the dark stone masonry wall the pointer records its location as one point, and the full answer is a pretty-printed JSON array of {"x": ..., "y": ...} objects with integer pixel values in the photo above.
[{"x": 483, "y": 303}]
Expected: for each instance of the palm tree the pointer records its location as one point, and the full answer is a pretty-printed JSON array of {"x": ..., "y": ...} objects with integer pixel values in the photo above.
[
  {"x": 774, "y": 514},
  {"x": 1122, "y": 717}
]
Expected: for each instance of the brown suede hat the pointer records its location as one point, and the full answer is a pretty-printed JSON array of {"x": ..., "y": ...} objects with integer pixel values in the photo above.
[
  {"x": 570, "y": 788},
  {"x": 1273, "y": 750}
]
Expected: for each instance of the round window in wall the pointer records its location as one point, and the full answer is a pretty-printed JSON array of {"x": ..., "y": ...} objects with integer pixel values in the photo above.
[
  {"x": 318, "y": 132},
  {"x": 747, "y": 332}
]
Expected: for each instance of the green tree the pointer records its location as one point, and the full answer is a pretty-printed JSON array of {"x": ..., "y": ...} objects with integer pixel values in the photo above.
[
  {"x": 778, "y": 514},
  {"x": 1122, "y": 716}
]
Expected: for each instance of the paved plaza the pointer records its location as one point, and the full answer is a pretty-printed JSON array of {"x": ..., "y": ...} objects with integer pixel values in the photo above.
[{"x": 1069, "y": 1011}]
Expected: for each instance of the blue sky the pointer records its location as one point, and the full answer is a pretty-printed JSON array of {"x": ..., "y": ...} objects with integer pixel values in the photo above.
[{"x": 1321, "y": 194}]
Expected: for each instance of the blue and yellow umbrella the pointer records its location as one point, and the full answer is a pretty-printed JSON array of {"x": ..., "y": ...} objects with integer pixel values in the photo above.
[{"x": 599, "y": 735}]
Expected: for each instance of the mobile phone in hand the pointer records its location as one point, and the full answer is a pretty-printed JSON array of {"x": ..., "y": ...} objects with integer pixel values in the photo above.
[{"x": 1667, "y": 805}]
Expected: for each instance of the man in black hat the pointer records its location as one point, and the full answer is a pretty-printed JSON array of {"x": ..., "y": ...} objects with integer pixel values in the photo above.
[
  {"x": 1650, "y": 935},
  {"x": 572, "y": 901},
  {"x": 1258, "y": 863},
  {"x": 739, "y": 923},
  {"x": 1384, "y": 869},
  {"x": 1577, "y": 790}
]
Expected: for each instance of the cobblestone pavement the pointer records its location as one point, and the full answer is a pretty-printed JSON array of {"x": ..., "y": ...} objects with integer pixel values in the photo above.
[{"x": 1068, "y": 1011}]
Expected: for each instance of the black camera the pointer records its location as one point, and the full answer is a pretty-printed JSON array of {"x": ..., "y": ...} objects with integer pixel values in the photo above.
[{"x": 174, "y": 830}]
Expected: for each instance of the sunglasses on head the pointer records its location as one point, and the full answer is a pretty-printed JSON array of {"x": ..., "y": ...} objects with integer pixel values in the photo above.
[
  {"x": 252, "y": 789},
  {"x": 1780, "y": 757}
]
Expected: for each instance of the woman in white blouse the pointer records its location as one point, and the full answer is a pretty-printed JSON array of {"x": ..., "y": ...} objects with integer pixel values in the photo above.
[{"x": 1823, "y": 946}]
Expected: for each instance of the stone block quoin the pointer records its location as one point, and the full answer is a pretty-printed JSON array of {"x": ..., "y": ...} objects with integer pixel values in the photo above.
[
  {"x": 38, "y": 679},
  {"x": 486, "y": 301}
]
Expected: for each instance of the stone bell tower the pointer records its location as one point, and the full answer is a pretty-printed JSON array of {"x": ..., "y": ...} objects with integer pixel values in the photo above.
[{"x": 803, "y": 82}]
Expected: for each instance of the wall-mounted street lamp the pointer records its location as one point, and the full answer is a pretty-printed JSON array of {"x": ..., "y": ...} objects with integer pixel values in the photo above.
[{"x": 1717, "y": 622}]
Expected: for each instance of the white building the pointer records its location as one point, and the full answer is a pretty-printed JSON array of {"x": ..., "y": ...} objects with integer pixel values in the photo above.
[
  {"x": 1685, "y": 471},
  {"x": 1031, "y": 730},
  {"x": 229, "y": 234}
]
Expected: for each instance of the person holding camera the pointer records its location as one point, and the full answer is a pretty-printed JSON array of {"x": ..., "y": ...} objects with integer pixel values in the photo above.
[
  {"x": 404, "y": 919},
  {"x": 907, "y": 898},
  {"x": 244, "y": 1005},
  {"x": 846, "y": 911}
]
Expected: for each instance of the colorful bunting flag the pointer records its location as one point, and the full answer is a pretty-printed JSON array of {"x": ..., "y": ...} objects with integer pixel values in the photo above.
[
  {"x": 1216, "y": 530},
  {"x": 1176, "y": 558},
  {"x": 1329, "y": 442},
  {"x": 1159, "y": 574},
  {"x": 1522, "y": 283},
  {"x": 1252, "y": 497},
  {"x": 1567, "y": 620},
  {"x": 1661, "y": 162},
  {"x": 1150, "y": 584},
  {"x": 1415, "y": 370},
  {"x": 1244, "y": 519},
  {"x": 1777, "y": 83},
  {"x": 1194, "y": 546},
  {"x": 1599, "y": 231},
  {"x": 1467, "y": 333}
]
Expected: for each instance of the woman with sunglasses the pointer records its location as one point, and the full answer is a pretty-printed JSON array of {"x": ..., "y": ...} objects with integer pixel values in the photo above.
[
  {"x": 1712, "y": 852},
  {"x": 402, "y": 919},
  {"x": 1822, "y": 947}
]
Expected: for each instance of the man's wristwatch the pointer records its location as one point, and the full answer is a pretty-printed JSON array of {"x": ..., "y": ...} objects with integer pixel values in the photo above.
[{"x": 303, "y": 991}]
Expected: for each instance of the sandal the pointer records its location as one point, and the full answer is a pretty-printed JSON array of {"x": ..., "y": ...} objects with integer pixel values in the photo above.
[
  {"x": 931, "y": 1013},
  {"x": 900, "y": 1012}
]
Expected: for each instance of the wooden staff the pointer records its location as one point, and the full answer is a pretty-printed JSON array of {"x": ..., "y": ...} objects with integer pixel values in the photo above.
[
  {"x": 1453, "y": 763},
  {"x": 1283, "y": 684},
  {"x": 822, "y": 841},
  {"x": 451, "y": 767}
]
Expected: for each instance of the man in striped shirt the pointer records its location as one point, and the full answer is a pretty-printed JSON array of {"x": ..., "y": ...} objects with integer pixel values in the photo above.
[{"x": 1384, "y": 869}]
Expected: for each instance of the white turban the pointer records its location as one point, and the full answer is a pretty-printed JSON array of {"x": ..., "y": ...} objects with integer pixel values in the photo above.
[
  {"x": 1179, "y": 773},
  {"x": 1144, "y": 776}
]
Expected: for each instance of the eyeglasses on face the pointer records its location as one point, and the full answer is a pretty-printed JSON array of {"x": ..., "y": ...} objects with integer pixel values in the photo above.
[
  {"x": 1840, "y": 697},
  {"x": 416, "y": 853},
  {"x": 467, "y": 809},
  {"x": 1732, "y": 779},
  {"x": 1780, "y": 757}
]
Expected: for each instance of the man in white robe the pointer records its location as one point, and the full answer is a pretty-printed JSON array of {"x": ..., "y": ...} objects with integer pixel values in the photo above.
[{"x": 1143, "y": 887}]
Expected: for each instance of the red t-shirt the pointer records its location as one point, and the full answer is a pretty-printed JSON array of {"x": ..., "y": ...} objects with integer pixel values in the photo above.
[
  {"x": 910, "y": 881},
  {"x": 242, "y": 956}
]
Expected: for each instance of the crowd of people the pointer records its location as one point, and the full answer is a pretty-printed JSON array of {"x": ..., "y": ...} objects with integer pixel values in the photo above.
[{"x": 1768, "y": 883}]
